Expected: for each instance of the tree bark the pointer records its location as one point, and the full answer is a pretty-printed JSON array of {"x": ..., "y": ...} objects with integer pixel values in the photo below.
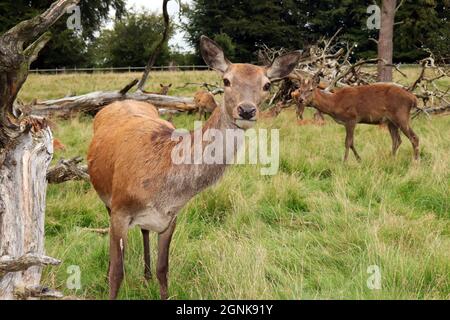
[
  {"x": 23, "y": 187},
  {"x": 26, "y": 150},
  {"x": 93, "y": 102},
  {"x": 385, "y": 41}
]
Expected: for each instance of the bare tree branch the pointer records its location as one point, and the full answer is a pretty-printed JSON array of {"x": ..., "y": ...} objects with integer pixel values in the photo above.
[
  {"x": 158, "y": 49},
  {"x": 11, "y": 264}
]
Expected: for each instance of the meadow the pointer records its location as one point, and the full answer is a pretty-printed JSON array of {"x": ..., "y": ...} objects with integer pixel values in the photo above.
[{"x": 312, "y": 231}]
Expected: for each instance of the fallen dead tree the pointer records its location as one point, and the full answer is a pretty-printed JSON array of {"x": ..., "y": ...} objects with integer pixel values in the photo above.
[
  {"x": 92, "y": 102},
  {"x": 67, "y": 170}
]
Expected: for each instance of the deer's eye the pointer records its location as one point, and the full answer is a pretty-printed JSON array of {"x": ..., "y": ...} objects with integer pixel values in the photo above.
[
  {"x": 226, "y": 83},
  {"x": 267, "y": 86}
]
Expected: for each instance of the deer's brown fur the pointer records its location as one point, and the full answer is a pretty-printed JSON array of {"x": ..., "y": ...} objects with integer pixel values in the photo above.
[
  {"x": 369, "y": 104},
  {"x": 130, "y": 159},
  {"x": 205, "y": 103}
]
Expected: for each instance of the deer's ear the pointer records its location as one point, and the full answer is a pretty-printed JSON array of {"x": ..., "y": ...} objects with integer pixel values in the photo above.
[
  {"x": 283, "y": 65},
  {"x": 213, "y": 55}
]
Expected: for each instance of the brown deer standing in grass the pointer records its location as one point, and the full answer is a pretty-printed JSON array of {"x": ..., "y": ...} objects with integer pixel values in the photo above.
[
  {"x": 272, "y": 112},
  {"x": 130, "y": 159},
  {"x": 369, "y": 104},
  {"x": 205, "y": 103}
]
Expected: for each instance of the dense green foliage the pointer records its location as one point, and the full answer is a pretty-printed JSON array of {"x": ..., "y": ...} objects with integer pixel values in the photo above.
[
  {"x": 295, "y": 24},
  {"x": 67, "y": 48},
  {"x": 239, "y": 26},
  {"x": 131, "y": 41}
]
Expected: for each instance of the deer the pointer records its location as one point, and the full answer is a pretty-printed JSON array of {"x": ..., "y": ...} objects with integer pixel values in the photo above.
[
  {"x": 272, "y": 112},
  {"x": 300, "y": 107},
  {"x": 131, "y": 166},
  {"x": 205, "y": 103},
  {"x": 58, "y": 145},
  {"x": 163, "y": 91},
  {"x": 367, "y": 104}
]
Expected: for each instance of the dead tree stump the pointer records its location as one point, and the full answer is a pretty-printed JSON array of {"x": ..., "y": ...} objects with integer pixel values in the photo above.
[{"x": 26, "y": 149}]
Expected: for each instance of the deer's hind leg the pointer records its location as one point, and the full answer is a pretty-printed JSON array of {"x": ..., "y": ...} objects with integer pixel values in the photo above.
[
  {"x": 147, "y": 257},
  {"x": 407, "y": 131},
  {"x": 395, "y": 135}
]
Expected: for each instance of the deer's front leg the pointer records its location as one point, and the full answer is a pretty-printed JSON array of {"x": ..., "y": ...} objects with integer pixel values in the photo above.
[
  {"x": 164, "y": 240},
  {"x": 300, "y": 110}
]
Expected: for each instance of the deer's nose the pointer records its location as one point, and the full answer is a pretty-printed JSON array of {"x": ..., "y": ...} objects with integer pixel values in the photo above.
[{"x": 247, "y": 111}]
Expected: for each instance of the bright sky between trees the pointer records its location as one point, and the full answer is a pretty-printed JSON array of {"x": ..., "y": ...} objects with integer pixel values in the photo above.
[{"x": 173, "y": 8}]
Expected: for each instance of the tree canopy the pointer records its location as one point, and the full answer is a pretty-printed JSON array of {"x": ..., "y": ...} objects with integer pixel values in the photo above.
[
  {"x": 67, "y": 48},
  {"x": 131, "y": 41},
  {"x": 294, "y": 24}
]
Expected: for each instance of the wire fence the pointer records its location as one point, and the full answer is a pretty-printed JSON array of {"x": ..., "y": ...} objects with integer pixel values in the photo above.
[
  {"x": 119, "y": 69},
  {"x": 140, "y": 69}
]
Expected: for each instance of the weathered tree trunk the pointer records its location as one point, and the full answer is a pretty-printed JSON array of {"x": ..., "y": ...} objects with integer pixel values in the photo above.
[
  {"x": 385, "y": 41},
  {"x": 25, "y": 153},
  {"x": 93, "y": 102},
  {"x": 23, "y": 189}
]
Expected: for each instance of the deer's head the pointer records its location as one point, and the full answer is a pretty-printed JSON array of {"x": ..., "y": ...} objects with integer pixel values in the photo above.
[
  {"x": 246, "y": 85},
  {"x": 304, "y": 94},
  {"x": 165, "y": 89}
]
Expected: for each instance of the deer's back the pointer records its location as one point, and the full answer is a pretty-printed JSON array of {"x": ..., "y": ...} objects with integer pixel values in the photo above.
[
  {"x": 126, "y": 152},
  {"x": 205, "y": 100},
  {"x": 375, "y": 103}
]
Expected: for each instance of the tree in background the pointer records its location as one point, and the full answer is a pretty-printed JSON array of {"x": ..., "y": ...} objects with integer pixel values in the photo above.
[
  {"x": 422, "y": 24},
  {"x": 385, "y": 40},
  {"x": 67, "y": 48},
  {"x": 131, "y": 41},
  {"x": 295, "y": 24},
  {"x": 243, "y": 25}
]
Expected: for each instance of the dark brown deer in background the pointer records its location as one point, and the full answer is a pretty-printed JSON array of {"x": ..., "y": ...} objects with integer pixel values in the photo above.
[
  {"x": 130, "y": 158},
  {"x": 369, "y": 104}
]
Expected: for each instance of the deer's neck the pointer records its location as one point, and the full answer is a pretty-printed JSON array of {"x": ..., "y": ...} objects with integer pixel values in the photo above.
[
  {"x": 324, "y": 101},
  {"x": 218, "y": 127},
  {"x": 201, "y": 173}
]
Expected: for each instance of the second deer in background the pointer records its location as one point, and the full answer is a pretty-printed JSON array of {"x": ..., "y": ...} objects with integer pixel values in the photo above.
[
  {"x": 205, "y": 103},
  {"x": 369, "y": 104}
]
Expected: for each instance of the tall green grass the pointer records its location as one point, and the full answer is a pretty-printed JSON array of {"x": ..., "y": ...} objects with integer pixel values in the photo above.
[{"x": 309, "y": 232}]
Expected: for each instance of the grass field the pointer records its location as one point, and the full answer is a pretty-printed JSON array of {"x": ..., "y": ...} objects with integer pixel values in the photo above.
[{"x": 309, "y": 232}]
